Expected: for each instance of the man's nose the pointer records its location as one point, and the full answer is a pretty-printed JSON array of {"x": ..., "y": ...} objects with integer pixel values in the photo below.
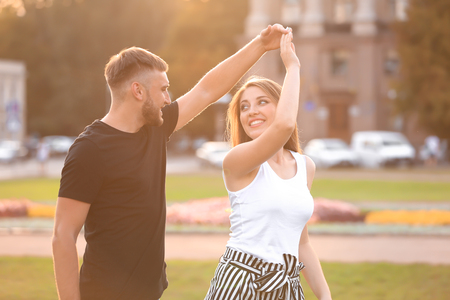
[{"x": 167, "y": 100}]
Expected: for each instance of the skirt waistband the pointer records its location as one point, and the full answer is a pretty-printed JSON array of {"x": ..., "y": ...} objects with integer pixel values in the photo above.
[
  {"x": 268, "y": 277},
  {"x": 291, "y": 266}
]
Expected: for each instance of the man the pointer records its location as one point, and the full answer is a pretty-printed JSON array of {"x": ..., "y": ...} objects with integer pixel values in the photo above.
[{"x": 113, "y": 180}]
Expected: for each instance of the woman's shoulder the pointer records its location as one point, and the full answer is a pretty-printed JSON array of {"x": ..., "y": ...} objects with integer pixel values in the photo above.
[
  {"x": 308, "y": 161},
  {"x": 310, "y": 170}
]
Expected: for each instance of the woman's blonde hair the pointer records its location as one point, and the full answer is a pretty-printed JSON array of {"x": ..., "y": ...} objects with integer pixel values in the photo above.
[{"x": 235, "y": 132}]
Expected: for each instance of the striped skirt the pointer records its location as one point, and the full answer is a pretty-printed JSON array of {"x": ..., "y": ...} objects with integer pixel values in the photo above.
[{"x": 241, "y": 276}]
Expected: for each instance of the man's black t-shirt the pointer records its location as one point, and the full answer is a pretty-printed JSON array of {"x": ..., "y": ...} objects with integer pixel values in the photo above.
[{"x": 122, "y": 176}]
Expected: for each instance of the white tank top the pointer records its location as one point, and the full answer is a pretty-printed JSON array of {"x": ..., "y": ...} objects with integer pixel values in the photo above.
[{"x": 268, "y": 215}]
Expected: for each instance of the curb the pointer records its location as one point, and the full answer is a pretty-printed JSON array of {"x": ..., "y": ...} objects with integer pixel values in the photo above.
[{"x": 45, "y": 226}]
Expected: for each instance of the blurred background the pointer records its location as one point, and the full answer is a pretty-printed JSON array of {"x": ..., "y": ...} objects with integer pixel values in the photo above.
[
  {"x": 374, "y": 116},
  {"x": 366, "y": 66}
]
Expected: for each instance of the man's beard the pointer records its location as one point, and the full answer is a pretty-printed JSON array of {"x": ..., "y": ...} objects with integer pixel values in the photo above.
[{"x": 151, "y": 113}]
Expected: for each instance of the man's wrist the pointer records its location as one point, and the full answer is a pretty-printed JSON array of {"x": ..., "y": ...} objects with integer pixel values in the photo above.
[{"x": 259, "y": 44}]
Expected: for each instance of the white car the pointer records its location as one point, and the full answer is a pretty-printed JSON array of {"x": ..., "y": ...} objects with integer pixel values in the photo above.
[
  {"x": 11, "y": 150},
  {"x": 213, "y": 152},
  {"x": 328, "y": 153},
  {"x": 382, "y": 148},
  {"x": 59, "y": 144}
]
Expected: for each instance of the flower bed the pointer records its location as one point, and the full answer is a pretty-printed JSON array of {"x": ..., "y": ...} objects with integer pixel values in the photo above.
[
  {"x": 216, "y": 211},
  {"x": 25, "y": 208},
  {"x": 415, "y": 217},
  {"x": 13, "y": 208}
]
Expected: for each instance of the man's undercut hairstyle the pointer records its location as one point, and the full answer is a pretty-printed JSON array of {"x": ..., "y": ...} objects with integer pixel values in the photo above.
[{"x": 129, "y": 63}]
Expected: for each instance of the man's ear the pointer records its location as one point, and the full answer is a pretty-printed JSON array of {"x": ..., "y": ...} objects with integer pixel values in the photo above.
[{"x": 137, "y": 90}]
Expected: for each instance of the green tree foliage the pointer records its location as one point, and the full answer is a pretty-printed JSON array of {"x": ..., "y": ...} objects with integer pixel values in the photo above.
[
  {"x": 66, "y": 44},
  {"x": 65, "y": 47},
  {"x": 203, "y": 33},
  {"x": 424, "y": 48}
]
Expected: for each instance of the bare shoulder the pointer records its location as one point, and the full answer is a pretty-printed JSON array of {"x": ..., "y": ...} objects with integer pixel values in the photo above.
[
  {"x": 310, "y": 165},
  {"x": 310, "y": 170}
]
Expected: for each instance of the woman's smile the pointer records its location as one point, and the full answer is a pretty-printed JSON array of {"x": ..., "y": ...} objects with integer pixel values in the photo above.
[{"x": 257, "y": 111}]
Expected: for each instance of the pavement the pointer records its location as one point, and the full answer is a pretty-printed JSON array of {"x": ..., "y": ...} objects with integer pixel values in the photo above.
[
  {"x": 339, "y": 242},
  {"x": 210, "y": 246}
]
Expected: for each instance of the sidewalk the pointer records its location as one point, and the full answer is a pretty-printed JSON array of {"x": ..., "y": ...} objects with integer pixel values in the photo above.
[{"x": 335, "y": 248}]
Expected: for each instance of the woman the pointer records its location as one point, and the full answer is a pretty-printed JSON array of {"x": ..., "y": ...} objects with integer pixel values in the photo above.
[{"x": 268, "y": 183}]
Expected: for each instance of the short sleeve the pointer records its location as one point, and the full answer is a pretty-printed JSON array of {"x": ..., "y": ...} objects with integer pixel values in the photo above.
[
  {"x": 170, "y": 116},
  {"x": 82, "y": 174}
]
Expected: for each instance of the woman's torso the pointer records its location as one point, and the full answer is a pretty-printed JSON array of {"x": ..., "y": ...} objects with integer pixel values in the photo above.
[{"x": 268, "y": 215}]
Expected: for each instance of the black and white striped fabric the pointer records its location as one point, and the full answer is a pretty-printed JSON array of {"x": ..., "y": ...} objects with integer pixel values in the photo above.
[{"x": 241, "y": 276}]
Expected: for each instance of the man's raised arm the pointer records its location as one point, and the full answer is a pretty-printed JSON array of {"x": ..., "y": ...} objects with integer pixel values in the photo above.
[{"x": 225, "y": 75}]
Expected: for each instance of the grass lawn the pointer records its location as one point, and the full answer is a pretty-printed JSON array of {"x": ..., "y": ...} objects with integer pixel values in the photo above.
[
  {"x": 32, "y": 278},
  {"x": 183, "y": 188},
  {"x": 367, "y": 190},
  {"x": 31, "y": 189}
]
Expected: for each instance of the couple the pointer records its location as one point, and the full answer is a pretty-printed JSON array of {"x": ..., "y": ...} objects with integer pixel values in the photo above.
[{"x": 113, "y": 183}]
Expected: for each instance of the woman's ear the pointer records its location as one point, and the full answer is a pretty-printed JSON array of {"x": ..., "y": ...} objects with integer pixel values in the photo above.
[{"x": 137, "y": 90}]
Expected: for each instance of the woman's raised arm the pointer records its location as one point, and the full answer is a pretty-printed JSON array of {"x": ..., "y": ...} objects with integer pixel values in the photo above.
[{"x": 246, "y": 157}]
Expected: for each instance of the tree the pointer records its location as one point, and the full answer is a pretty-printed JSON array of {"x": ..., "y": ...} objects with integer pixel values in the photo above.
[
  {"x": 65, "y": 47},
  {"x": 66, "y": 43},
  {"x": 424, "y": 49},
  {"x": 202, "y": 34}
]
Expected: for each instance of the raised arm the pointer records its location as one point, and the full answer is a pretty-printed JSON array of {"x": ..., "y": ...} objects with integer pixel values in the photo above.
[
  {"x": 217, "y": 82},
  {"x": 246, "y": 157},
  {"x": 70, "y": 217}
]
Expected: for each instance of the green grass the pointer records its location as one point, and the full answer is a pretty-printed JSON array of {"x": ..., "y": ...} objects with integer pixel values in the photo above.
[
  {"x": 27, "y": 278},
  {"x": 31, "y": 189},
  {"x": 367, "y": 190},
  {"x": 363, "y": 281},
  {"x": 186, "y": 187},
  {"x": 32, "y": 278},
  {"x": 183, "y": 188}
]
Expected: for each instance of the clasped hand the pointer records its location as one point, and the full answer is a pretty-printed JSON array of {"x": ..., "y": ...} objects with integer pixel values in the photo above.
[
  {"x": 270, "y": 37},
  {"x": 287, "y": 51}
]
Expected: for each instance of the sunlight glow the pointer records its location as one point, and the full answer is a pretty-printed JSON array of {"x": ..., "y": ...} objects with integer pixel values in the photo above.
[{"x": 19, "y": 7}]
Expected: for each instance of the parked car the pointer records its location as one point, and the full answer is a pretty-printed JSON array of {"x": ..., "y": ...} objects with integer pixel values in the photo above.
[
  {"x": 213, "y": 152},
  {"x": 383, "y": 148},
  {"x": 328, "y": 153},
  {"x": 59, "y": 144},
  {"x": 11, "y": 150}
]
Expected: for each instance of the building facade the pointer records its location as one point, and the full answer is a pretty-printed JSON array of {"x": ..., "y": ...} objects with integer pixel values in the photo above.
[
  {"x": 12, "y": 100},
  {"x": 349, "y": 60}
]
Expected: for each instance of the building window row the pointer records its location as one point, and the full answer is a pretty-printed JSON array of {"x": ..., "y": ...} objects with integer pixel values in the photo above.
[
  {"x": 340, "y": 60},
  {"x": 342, "y": 11}
]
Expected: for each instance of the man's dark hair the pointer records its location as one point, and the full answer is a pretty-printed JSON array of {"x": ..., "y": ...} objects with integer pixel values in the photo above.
[{"x": 129, "y": 62}]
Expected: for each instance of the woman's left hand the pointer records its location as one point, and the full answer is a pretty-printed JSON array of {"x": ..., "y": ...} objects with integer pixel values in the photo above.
[{"x": 287, "y": 51}]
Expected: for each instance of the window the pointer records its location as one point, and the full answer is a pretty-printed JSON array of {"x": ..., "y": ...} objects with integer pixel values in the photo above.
[
  {"x": 397, "y": 9},
  {"x": 391, "y": 63},
  {"x": 290, "y": 12},
  {"x": 343, "y": 11},
  {"x": 339, "y": 62}
]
